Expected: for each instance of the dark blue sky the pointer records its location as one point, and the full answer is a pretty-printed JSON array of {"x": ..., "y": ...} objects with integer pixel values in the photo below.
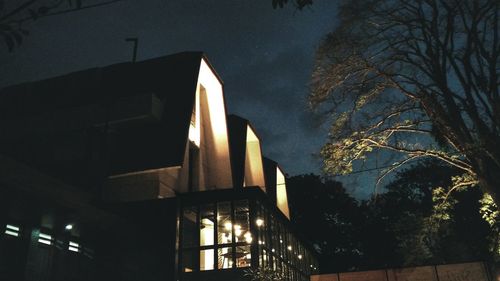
[{"x": 264, "y": 56}]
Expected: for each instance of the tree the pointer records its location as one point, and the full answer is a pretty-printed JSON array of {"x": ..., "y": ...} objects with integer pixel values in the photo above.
[
  {"x": 14, "y": 19},
  {"x": 329, "y": 218},
  {"x": 416, "y": 78},
  {"x": 426, "y": 229}
]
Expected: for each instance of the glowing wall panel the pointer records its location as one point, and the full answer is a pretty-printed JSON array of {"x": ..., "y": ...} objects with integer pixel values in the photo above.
[
  {"x": 254, "y": 170},
  {"x": 281, "y": 197}
]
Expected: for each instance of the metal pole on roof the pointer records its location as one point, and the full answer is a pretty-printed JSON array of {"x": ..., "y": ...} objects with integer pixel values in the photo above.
[{"x": 136, "y": 42}]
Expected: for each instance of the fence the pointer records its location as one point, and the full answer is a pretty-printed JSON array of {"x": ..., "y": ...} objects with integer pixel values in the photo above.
[{"x": 472, "y": 271}]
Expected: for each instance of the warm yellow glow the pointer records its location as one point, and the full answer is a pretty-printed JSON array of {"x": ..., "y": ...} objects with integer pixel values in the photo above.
[
  {"x": 207, "y": 232},
  {"x": 259, "y": 222},
  {"x": 248, "y": 237},
  {"x": 207, "y": 259},
  {"x": 281, "y": 197},
  {"x": 194, "y": 129},
  {"x": 237, "y": 230},
  {"x": 228, "y": 226},
  {"x": 254, "y": 170},
  {"x": 289, "y": 248},
  {"x": 215, "y": 101},
  {"x": 300, "y": 257},
  {"x": 213, "y": 131}
]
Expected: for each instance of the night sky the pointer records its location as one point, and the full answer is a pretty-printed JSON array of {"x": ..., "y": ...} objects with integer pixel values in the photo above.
[{"x": 264, "y": 57}]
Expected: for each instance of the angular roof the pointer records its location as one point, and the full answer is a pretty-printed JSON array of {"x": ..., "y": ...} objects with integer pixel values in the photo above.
[{"x": 97, "y": 95}]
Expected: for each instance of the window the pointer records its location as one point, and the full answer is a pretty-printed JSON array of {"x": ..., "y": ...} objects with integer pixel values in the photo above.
[
  {"x": 189, "y": 260},
  {"x": 224, "y": 223},
  {"x": 189, "y": 227},
  {"x": 207, "y": 225},
  {"x": 243, "y": 256},
  {"x": 216, "y": 236},
  {"x": 207, "y": 259},
  {"x": 225, "y": 258},
  {"x": 241, "y": 222}
]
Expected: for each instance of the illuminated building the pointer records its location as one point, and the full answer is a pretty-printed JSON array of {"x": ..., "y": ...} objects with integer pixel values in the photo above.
[{"x": 134, "y": 171}]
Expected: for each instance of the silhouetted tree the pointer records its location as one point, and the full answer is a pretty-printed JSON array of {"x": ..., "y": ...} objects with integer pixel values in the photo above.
[
  {"x": 397, "y": 75},
  {"x": 328, "y": 217}
]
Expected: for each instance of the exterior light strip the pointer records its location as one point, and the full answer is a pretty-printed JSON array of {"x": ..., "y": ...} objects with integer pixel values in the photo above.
[
  {"x": 45, "y": 238},
  {"x": 11, "y": 233},
  {"x": 12, "y": 230},
  {"x": 46, "y": 242},
  {"x": 74, "y": 247},
  {"x": 12, "y": 227}
]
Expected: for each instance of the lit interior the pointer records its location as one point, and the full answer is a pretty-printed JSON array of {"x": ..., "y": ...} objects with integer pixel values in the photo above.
[
  {"x": 281, "y": 197},
  {"x": 207, "y": 259},
  {"x": 254, "y": 170}
]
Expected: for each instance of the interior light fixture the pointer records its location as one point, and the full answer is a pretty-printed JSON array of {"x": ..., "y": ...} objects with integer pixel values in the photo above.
[
  {"x": 248, "y": 237},
  {"x": 237, "y": 229},
  {"x": 69, "y": 226},
  {"x": 259, "y": 222}
]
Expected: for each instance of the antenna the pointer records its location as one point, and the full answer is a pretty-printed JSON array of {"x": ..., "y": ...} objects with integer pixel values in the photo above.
[{"x": 136, "y": 42}]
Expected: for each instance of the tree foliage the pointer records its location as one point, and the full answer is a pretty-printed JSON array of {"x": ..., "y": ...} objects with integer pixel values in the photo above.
[
  {"x": 409, "y": 224},
  {"x": 15, "y": 17},
  {"x": 416, "y": 78},
  {"x": 328, "y": 217}
]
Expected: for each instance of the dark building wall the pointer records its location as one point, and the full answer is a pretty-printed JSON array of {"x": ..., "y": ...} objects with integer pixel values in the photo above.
[
  {"x": 143, "y": 247},
  {"x": 138, "y": 244}
]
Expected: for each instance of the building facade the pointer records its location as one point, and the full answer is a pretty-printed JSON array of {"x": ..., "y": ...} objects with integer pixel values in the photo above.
[{"x": 135, "y": 171}]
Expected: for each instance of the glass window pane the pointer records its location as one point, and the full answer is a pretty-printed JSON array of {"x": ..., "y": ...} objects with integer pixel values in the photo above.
[
  {"x": 225, "y": 226},
  {"x": 241, "y": 222},
  {"x": 189, "y": 228},
  {"x": 225, "y": 258},
  {"x": 207, "y": 230},
  {"x": 188, "y": 260},
  {"x": 243, "y": 256},
  {"x": 207, "y": 259}
]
